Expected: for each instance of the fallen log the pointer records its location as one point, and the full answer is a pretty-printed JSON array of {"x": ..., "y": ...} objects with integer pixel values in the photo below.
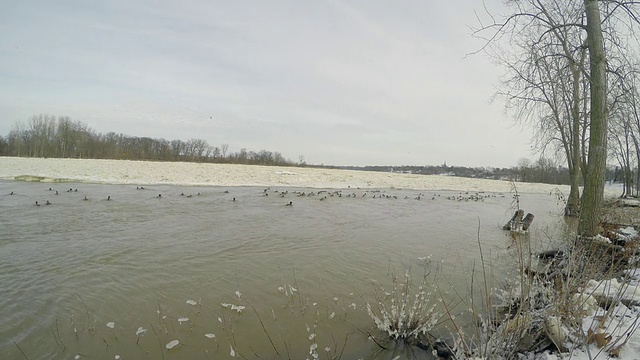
[
  {"x": 527, "y": 221},
  {"x": 514, "y": 223},
  {"x": 431, "y": 344},
  {"x": 550, "y": 254}
]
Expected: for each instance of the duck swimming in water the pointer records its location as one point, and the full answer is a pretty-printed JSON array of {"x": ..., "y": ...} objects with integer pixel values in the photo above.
[
  {"x": 289, "y": 204},
  {"x": 47, "y": 203}
]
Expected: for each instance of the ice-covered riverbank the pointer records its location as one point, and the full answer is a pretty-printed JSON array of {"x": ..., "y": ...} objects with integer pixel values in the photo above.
[{"x": 181, "y": 173}]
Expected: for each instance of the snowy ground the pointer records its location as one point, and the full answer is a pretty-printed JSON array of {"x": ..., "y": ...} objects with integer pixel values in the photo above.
[{"x": 614, "y": 331}]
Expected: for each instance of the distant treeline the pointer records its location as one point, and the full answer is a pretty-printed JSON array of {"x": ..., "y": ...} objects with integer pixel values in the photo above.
[
  {"x": 530, "y": 173},
  {"x": 47, "y": 136},
  {"x": 543, "y": 170},
  {"x": 60, "y": 137}
]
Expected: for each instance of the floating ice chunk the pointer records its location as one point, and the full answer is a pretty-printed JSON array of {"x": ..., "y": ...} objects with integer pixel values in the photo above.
[
  {"x": 140, "y": 330},
  {"x": 111, "y": 324},
  {"x": 237, "y": 308},
  {"x": 117, "y": 357},
  {"x": 353, "y": 305},
  {"x": 335, "y": 298},
  {"x": 191, "y": 302},
  {"x": 77, "y": 357},
  {"x": 238, "y": 294},
  {"x": 232, "y": 353},
  {"x": 333, "y": 314},
  {"x": 219, "y": 319},
  {"x": 183, "y": 319},
  {"x": 172, "y": 344},
  {"x": 210, "y": 336},
  {"x": 280, "y": 288},
  {"x": 312, "y": 336},
  {"x": 327, "y": 349}
]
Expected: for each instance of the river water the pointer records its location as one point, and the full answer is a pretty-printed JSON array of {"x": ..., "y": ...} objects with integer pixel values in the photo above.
[{"x": 303, "y": 273}]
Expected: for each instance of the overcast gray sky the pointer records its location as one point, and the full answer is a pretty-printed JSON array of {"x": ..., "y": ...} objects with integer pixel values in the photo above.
[{"x": 339, "y": 82}]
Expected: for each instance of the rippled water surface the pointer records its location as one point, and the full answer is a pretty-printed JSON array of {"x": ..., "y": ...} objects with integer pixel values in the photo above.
[{"x": 69, "y": 268}]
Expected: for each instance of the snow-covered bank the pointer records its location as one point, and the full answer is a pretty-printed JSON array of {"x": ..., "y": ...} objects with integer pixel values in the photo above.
[
  {"x": 181, "y": 173},
  {"x": 613, "y": 331}
]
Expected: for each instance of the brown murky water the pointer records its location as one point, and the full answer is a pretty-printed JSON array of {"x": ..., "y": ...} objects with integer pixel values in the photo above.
[{"x": 70, "y": 268}]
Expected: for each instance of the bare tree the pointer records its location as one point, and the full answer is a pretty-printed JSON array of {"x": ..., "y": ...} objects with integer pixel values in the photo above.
[
  {"x": 16, "y": 139},
  {"x": 572, "y": 25},
  {"x": 543, "y": 82},
  {"x": 622, "y": 132},
  {"x": 46, "y": 136},
  {"x": 634, "y": 117},
  {"x": 225, "y": 150}
]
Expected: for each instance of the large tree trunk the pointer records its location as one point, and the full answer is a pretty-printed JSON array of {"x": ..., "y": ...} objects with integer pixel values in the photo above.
[
  {"x": 635, "y": 143},
  {"x": 594, "y": 182},
  {"x": 573, "y": 202}
]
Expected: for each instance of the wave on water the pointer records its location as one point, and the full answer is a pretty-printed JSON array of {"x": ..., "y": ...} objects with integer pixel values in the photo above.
[{"x": 44, "y": 179}]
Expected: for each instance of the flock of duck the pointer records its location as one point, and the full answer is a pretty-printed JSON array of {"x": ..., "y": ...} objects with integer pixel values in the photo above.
[
  {"x": 322, "y": 195},
  {"x": 379, "y": 194}
]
